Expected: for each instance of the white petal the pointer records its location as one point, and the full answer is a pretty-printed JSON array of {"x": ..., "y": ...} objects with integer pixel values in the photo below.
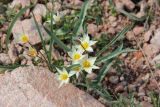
[
  {"x": 90, "y": 49},
  {"x": 84, "y": 58},
  {"x": 59, "y": 71},
  {"x": 92, "y": 42},
  {"x": 61, "y": 84},
  {"x": 57, "y": 76},
  {"x": 77, "y": 74},
  {"x": 80, "y": 48},
  {"x": 71, "y": 74},
  {"x": 80, "y": 51},
  {"x": 92, "y": 60},
  {"x": 95, "y": 67},
  {"x": 66, "y": 81},
  {"x": 86, "y": 38},
  {"x": 70, "y": 54},
  {"x": 64, "y": 70},
  {"x": 88, "y": 70}
]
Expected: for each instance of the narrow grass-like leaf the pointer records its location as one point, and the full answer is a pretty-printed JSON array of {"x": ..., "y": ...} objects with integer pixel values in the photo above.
[
  {"x": 51, "y": 40},
  {"x": 43, "y": 42},
  {"x": 115, "y": 39},
  {"x": 14, "y": 21},
  {"x": 103, "y": 71},
  {"x": 131, "y": 16},
  {"x": 56, "y": 40},
  {"x": 113, "y": 54},
  {"x": 50, "y": 49},
  {"x": 72, "y": 66},
  {"x": 82, "y": 15},
  {"x": 98, "y": 89},
  {"x": 10, "y": 67}
]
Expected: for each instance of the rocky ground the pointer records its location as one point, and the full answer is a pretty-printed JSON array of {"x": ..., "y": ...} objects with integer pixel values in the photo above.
[{"x": 135, "y": 74}]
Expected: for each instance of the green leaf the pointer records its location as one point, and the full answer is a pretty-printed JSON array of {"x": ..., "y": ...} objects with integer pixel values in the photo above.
[
  {"x": 56, "y": 40},
  {"x": 131, "y": 16},
  {"x": 43, "y": 43},
  {"x": 10, "y": 67},
  {"x": 117, "y": 52},
  {"x": 82, "y": 15},
  {"x": 72, "y": 66},
  {"x": 115, "y": 39},
  {"x": 61, "y": 32},
  {"x": 103, "y": 71},
  {"x": 14, "y": 21}
]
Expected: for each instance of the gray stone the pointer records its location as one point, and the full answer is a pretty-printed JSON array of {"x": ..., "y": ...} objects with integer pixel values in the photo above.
[{"x": 114, "y": 79}]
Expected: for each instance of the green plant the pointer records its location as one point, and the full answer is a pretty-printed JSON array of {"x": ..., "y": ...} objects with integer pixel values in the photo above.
[
  {"x": 128, "y": 101},
  {"x": 155, "y": 98},
  {"x": 112, "y": 8},
  {"x": 86, "y": 63}
]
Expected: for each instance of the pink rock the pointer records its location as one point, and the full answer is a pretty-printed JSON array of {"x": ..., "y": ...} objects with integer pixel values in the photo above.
[
  {"x": 38, "y": 87},
  {"x": 40, "y": 9},
  {"x": 146, "y": 104},
  {"x": 155, "y": 40},
  {"x": 153, "y": 84},
  {"x": 129, "y": 4},
  {"x": 4, "y": 59},
  {"x": 13, "y": 53},
  {"x": 138, "y": 30},
  {"x": 150, "y": 50},
  {"x": 147, "y": 35},
  {"x": 130, "y": 35},
  {"x": 119, "y": 4},
  {"x": 119, "y": 88},
  {"x": 57, "y": 6},
  {"x": 92, "y": 29},
  {"x": 112, "y": 19},
  {"x": 28, "y": 27},
  {"x": 23, "y": 3},
  {"x": 77, "y": 2}
]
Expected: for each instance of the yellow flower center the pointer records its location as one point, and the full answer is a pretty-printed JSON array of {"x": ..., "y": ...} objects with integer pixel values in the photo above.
[
  {"x": 32, "y": 52},
  {"x": 76, "y": 56},
  {"x": 86, "y": 64},
  {"x": 24, "y": 38},
  {"x": 85, "y": 45},
  {"x": 77, "y": 69},
  {"x": 64, "y": 76}
]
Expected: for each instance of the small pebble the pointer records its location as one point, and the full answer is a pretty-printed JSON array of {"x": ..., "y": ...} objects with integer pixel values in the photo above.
[{"x": 114, "y": 79}]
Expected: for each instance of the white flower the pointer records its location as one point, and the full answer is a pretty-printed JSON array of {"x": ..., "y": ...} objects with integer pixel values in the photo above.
[
  {"x": 22, "y": 38},
  {"x": 76, "y": 55},
  {"x": 56, "y": 18},
  {"x": 88, "y": 64},
  {"x": 63, "y": 76},
  {"x": 32, "y": 52},
  {"x": 76, "y": 70},
  {"x": 86, "y": 43}
]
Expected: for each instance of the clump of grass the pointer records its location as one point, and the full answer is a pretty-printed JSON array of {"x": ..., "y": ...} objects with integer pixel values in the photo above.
[
  {"x": 128, "y": 101},
  {"x": 87, "y": 64},
  {"x": 155, "y": 98}
]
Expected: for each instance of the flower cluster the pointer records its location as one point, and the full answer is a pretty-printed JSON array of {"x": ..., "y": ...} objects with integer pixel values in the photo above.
[
  {"x": 79, "y": 57},
  {"x": 24, "y": 39}
]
